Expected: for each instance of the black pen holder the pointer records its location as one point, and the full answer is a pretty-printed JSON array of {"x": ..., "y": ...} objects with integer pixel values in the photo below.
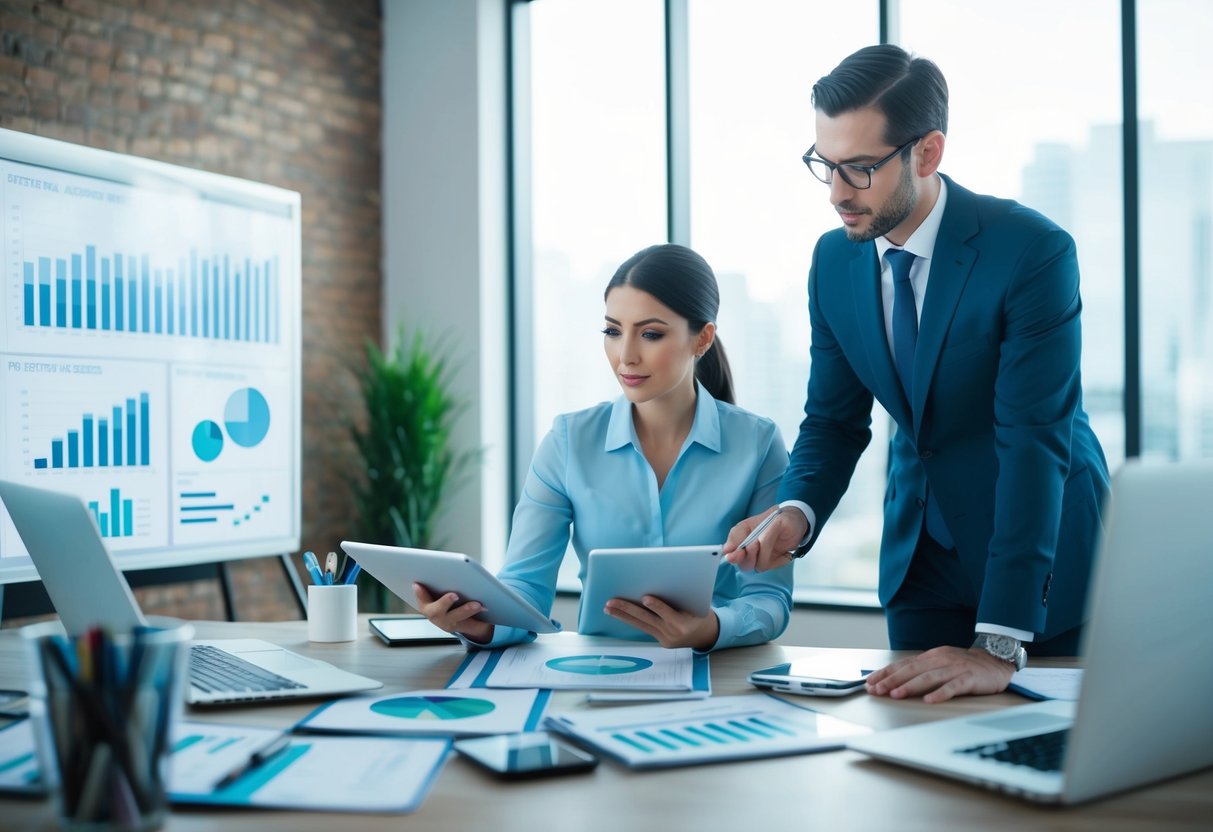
[{"x": 103, "y": 707}]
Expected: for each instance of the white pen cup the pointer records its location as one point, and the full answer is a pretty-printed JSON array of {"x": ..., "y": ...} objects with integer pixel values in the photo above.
[{"x": 332, "y": 612}]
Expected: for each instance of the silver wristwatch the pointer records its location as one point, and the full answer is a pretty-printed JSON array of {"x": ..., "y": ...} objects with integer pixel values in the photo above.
[{"x": 1007, "y": 648}]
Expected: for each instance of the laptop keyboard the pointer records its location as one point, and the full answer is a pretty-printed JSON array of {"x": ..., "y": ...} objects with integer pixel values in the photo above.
[
  {"x": 216, "y": 671},
  {"x": 1043, "y": 752}
]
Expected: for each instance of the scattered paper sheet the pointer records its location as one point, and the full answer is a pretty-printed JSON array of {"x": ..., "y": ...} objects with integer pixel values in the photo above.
[
  {"x": 445, "y": 713},
  {"x": 339, "y": 774},
  {"x": 1047, "y": 683},
  {"x": 712, "y": 730}
]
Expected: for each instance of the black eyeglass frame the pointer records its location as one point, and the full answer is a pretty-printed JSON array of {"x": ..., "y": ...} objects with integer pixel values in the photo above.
[{"x": 843, "y": 167}]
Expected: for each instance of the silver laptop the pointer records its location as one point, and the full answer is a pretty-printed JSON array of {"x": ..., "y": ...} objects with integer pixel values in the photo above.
[
  {"x": 87, "y": 588},
  {"x": 1143, "y": 713}
]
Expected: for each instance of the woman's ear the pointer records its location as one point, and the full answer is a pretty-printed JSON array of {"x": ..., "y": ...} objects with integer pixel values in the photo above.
[{"x": 704, "y": 339}]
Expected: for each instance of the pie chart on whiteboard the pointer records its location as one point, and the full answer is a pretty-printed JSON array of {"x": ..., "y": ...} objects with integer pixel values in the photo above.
[{"x": 247, "y": 417}]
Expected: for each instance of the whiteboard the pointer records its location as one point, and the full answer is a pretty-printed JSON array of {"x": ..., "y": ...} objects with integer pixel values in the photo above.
[{"x": 150, "y": 352}]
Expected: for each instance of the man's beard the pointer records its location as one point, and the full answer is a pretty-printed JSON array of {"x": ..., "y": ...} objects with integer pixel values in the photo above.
[{"x": 896, "y": 208}]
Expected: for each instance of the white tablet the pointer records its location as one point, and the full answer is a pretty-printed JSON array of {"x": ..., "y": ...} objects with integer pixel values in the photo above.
[
  {"x": 682, "y": 576},
  {"x": 398, "y": 568}
]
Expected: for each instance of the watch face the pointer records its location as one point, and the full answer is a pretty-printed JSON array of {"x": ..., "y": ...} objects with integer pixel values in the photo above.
[{"x": 1003, "y": 647}]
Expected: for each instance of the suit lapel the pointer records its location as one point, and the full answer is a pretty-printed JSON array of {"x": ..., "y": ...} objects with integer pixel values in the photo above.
[
  {"x": 951, "y": 263},
  {"x": 869, "y": 312}
]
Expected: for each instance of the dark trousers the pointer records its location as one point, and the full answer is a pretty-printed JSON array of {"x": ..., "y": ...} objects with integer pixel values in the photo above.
[{"x": 937, "y": 605}]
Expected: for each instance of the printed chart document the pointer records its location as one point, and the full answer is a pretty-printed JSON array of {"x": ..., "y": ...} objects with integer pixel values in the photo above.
[
  {"x": 1042, "y": 683},
  {"x": 337, "y": 774},
  {"x": 443, "y": 713},
  {"x": 713, "y": 730},
  {"x": 18, "y": 762},
  {"x": 558, "y": 665}
]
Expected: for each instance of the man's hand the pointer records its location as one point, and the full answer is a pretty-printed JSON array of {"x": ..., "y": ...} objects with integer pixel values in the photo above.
[
  {"x": 671, "y": 627},
  {"x": 942, "y": 673},
  {"x": 446, "y": 613},
  {"x": 770, "y": 550}
]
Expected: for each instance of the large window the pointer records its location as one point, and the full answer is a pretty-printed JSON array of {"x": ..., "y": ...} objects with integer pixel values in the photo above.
[
  {"x": 598, "y": 188},
  {"x": 1037, "y": 115},
  {"x": 1176, "y": 153},
  {"x": 756, "y": 213}
]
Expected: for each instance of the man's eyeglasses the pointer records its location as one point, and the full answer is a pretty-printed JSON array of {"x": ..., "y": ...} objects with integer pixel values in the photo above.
[{"x": 857, "y": 176}]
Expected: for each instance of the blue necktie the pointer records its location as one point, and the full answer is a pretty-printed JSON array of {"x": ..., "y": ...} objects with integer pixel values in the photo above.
[
  {"x": 905, "y": 338},
  {"x": 905, "y": 318}
]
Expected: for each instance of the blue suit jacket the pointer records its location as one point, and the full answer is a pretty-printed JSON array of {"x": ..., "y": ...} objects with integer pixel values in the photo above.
[{"x": 996, "y": 427}]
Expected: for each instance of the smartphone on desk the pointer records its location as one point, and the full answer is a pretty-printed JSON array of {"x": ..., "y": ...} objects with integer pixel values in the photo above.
[
  {"x": 525, "y": 755},
  {"x": 811, "y": 677},
  {"x": 415, "y": 629}
]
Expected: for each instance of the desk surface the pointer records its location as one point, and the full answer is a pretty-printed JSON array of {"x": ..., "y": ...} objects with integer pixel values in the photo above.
[{"x": 839, "y": 789}]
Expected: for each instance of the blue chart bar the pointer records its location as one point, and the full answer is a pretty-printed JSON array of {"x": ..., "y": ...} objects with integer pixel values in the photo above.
[
  {"x": 29, "y": 294},
  {"x": 219, "y": 297},
  {"x": 98, "y": 443},
  {"x": 119, "y": 520}
]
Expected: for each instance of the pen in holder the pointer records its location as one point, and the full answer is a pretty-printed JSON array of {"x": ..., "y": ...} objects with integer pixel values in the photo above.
[
  {"x": 332, "y": 612},
  {"x": 103, "y": 705}
]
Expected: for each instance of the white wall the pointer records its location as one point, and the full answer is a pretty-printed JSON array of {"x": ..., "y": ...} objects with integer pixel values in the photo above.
[{"x": 444, "y": 224}]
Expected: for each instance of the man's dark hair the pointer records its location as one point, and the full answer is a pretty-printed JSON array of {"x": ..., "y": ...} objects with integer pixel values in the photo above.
[{"x": 910, "y": 91}]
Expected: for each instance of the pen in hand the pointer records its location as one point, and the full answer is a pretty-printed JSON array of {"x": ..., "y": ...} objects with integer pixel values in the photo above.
[
  {"x": 257, "y": 759},
  {"x": 760, "y": 528}
]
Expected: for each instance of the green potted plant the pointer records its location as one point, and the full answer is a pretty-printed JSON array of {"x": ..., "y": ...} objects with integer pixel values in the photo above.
[{"x": 409, "y": 463}]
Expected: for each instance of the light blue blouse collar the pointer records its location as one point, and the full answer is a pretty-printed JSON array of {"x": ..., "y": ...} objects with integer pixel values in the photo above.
[{"x": 705, "y": 429}]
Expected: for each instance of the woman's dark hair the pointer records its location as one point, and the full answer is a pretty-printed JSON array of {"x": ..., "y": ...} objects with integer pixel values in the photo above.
[
  {"x": 683, "y": 281},
  {"x": 910, "y": 91}
]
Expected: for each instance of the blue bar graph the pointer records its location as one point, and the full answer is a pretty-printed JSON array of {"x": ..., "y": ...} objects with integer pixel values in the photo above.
[
  {"x": 217, "y": 297},
  {"x": 119, "y": 519},
  {"x": 99, "y": 443}
]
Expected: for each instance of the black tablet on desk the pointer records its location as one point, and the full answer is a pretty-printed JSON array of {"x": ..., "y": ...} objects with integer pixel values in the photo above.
[{"x": 408, "y": 630}]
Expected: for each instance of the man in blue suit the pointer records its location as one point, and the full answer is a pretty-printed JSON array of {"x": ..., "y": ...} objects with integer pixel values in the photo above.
[{"x": 959, "y": 313}]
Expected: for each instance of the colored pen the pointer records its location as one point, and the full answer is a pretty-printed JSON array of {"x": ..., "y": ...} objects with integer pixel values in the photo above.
[
  {"x": 313, "y": 567},
  {"x": 257, "y": 759},
  {"x": 330, "y": 568},
  {"x": 352, "y": 572},
  {"x": 760, "y": 528}
]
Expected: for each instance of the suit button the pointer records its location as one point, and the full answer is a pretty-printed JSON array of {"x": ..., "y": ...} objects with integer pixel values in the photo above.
[
  {"x": 920, "y": 502},
  {"x": 927, "y": 454}
]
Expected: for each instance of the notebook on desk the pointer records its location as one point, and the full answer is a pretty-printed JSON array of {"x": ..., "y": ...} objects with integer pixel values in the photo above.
[
  {"x": 87, "y": 588},
  {"x": 1143, "y": 711}
]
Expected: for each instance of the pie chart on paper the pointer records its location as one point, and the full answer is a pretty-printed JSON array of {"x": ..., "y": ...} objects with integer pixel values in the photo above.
[
  {"x": 433, "y": 707},
  {"x": 599, "y": 665}
]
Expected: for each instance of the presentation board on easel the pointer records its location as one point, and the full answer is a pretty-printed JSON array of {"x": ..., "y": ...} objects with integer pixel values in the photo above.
[{"x": 150, "y": 352}]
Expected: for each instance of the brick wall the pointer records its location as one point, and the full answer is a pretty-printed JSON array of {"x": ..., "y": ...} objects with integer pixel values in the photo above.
[{"x": 285, "y": 92}]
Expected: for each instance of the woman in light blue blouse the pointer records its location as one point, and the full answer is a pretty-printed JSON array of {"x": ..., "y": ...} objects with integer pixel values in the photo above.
[{"x": 672, "y": 462}]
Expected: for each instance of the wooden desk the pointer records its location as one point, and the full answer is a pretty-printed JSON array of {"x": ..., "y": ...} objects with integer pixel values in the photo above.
[{"x": 838, "y": 790}]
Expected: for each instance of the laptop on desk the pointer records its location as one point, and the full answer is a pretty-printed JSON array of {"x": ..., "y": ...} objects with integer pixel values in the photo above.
[
  {"x": 87, "y": 588},
  {"x": 1143, "y": 713}
]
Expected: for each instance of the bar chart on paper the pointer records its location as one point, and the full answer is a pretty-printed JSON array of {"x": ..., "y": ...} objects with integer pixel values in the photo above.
[{"x": 719, "y": 728}]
